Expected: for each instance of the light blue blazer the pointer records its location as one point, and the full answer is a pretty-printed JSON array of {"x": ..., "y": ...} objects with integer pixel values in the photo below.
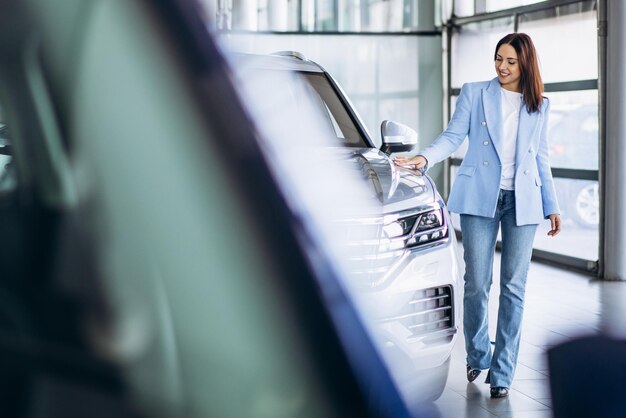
[{"x": 477, "y": 184}]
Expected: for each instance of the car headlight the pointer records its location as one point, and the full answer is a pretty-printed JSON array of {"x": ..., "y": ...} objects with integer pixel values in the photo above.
[
  {"x": 430, "y": 227},
  {"x": 414, "y": 229},
  {"x": 429, "y": 220}
]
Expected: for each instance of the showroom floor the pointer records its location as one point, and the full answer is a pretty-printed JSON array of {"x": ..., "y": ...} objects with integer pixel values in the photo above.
[{"x": 559, "y": 305}]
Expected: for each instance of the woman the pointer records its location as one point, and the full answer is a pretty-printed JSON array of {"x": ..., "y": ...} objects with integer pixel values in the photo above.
[{"x": 504, "y": 182}]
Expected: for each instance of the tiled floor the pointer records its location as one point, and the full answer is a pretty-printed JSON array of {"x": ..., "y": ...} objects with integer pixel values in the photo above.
[{"x": 559, "y": 305}]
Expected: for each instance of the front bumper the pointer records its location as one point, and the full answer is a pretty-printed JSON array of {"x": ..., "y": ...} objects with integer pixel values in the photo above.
[{"x": 417, "y": 312}]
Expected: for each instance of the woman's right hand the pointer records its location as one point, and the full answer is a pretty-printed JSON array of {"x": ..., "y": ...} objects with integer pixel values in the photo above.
[{"x": 414, "y": 163}]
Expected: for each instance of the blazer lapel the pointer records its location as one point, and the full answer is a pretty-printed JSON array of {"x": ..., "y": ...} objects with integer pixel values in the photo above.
[{"x": 493, "y": 114}]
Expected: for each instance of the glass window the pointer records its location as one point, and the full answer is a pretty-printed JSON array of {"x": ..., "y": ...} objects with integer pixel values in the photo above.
[
  {"x": 325, "y": 15},
  {"x": 325, "y": 18},
  {"x": 264, "y": 15},
  {"x": 278, "y": 15},
  {"x": 369, "y": 111},
  {"x": 473, "y": 46},
  {"x": 244, "y": 16},
  {"x": 385, "y": 15},
  {"x": 340, "y": 121},
  {"x": 575, "y": 56},
  {"x": 495, "y": 5},
  {"x": 308, "y": 15},
  {"x": 335, "y": 124},
  {"x": 350, "y": 12},
  {"x": 573, "y": 129},
  {"x": 580, "y": 203},
  {"x": 464, "y": 8}
]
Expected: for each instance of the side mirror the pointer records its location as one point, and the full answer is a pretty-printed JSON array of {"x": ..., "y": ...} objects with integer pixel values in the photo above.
[{"x": 397, "y": 137}]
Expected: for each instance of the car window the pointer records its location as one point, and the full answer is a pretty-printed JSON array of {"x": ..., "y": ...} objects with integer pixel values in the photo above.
[
  {"x": 319, "y": 93},
  {"x": 573, "y": 137},
  {"x": 336, "y": 127},
  {"x": 340, "y": 120}
]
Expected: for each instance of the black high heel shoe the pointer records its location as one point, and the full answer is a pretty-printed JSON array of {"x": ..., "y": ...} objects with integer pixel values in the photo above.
[{"x": 472, "y": 374}]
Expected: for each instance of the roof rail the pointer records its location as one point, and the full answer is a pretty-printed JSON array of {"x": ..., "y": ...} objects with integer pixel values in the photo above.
[{"x": 292, "y": 54}]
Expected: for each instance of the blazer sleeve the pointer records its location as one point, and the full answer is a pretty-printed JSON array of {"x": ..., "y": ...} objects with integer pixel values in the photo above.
[
  {"x": 458, "y": 127},
  {"x": 548, "y": 192}
]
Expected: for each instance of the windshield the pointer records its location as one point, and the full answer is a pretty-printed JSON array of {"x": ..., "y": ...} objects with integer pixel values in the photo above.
[{"x": 331, "y": 105}]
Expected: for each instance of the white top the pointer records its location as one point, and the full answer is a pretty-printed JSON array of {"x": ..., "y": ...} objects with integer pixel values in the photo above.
[{"x": 511, "y": 105}]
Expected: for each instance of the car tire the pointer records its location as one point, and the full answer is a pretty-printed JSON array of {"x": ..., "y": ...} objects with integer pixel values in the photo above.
[{"x": 586, "y": 210}]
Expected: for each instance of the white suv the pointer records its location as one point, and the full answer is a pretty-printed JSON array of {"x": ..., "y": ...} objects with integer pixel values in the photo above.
[{"x": 405, "y": 281}]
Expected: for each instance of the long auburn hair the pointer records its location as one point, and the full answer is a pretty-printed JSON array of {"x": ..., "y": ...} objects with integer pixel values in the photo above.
[{"x": 530, "y": 80}]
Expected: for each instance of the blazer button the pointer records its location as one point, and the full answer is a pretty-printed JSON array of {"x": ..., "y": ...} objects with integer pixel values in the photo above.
[
  {"x": 484, "y": 123},
  {"x": 526, "y": 171},
  {"x": 486, "y": 143},
  {"x": 485, "y": 162}
]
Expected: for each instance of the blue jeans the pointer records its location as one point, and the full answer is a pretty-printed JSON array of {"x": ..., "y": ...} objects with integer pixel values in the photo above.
[{"x": 479, "y": 241}]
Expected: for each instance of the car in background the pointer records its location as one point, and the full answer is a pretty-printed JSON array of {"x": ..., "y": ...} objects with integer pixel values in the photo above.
[
  {"x": 405, "y": 278},
  {"x": 573, "y": 140}
]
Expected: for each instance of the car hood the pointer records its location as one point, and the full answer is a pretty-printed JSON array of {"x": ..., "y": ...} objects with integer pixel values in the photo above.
[{"x": 397, "y": 188}]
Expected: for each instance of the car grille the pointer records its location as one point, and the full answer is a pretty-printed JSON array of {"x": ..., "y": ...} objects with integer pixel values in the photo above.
[
  {"x": 368, "y": 265},
  {"x": 429, "y": 315}
]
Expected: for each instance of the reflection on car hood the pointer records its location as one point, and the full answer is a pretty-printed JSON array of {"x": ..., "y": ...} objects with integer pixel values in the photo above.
[{"x": 397, "y": 188}]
